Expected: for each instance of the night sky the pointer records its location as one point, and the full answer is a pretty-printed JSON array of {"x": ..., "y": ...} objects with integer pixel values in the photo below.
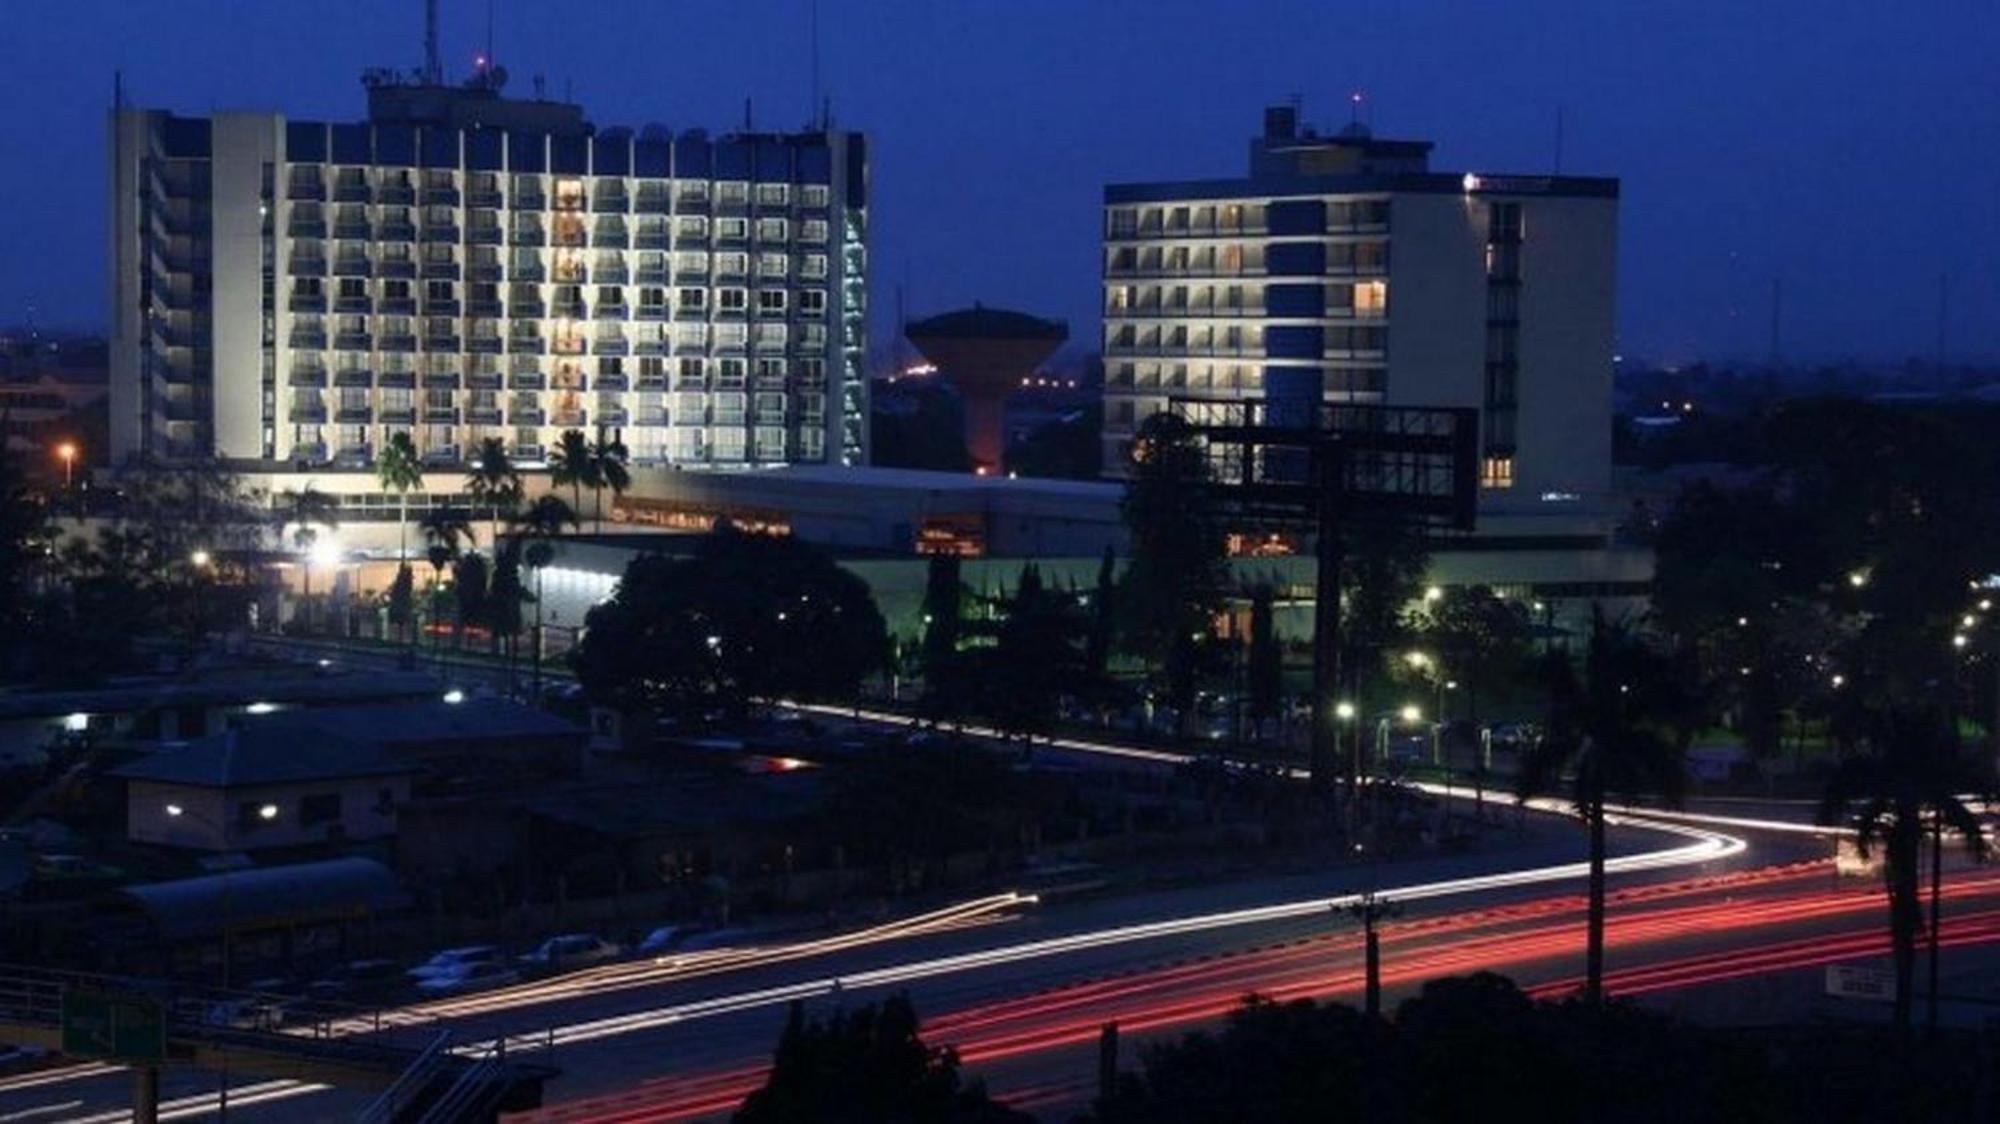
[{"x": 1853, "y": 148}]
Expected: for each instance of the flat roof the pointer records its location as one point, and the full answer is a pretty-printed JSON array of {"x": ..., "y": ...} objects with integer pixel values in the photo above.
[
  {"x": 264, "y": 754},
  {"x": 262, "y": 896},
  {"x": 1424, "y": 183},
  {"x": 432, "y": 720}
]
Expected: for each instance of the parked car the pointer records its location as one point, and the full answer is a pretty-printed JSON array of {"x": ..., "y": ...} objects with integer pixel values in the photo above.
[
  {"x": 664, "y": 939},
  {"x": 572, "y": 950},
  {"x": 453, "y": 960},
  {"x": 478, "y": 976}
]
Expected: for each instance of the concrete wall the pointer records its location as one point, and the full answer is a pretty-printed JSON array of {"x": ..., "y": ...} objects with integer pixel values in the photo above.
[
  {"x": 242, "y": 144},
  {"x": 211, "y": 816}
]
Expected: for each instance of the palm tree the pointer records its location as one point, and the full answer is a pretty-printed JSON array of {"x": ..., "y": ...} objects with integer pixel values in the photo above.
[
  {"x": 494, "y": 482},
  {"x": 1609, "y": 731},
  {"x": 444, "y": 529},
  {"x": 607, "y": 459},
  {"x": 398, "y": 470},
  {"x": 541, "y": 523},
  {"x": 305, "y": 510},
  {"x": 572, "y": 466},
  {"x": 1912, "y": 773}
]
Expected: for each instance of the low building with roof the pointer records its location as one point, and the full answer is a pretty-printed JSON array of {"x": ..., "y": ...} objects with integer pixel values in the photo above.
[{"x": 264, "y": 786}]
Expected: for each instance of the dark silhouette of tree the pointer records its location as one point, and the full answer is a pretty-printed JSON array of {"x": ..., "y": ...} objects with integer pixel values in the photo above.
[
  {"x": 1608, "y": 729},
  {"x": 445, "y": 530},
  {"x": 1382, "y": 574},
  {"x": 1037, "y": 658},
  {"x": 1176, "y": 579},
  {"x": 1481, "y": 640},
  {"x": 398, "y": 470},
  {"x": 867, "y": 1065},
  {"x": 571, "y": 466},
  {"x": 608, "y": 457},
  {"x": 306, "y": 511},
  {"x": 947, "y": 690},
  {"x": 1265, "y": 660},
  {"x": 494, "y": 483},
  {"x": 539, "y": 526},
  {"x": 468, "y": 586},
  {"x": 1912, "y": 774},
  {"x": 504, "y": 596},
  {"x": 743, "y": 617},
  {"x": 402, "y": 601}
]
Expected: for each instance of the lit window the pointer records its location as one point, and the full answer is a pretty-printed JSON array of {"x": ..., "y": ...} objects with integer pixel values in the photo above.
[{"x": 1496, "y": 472}]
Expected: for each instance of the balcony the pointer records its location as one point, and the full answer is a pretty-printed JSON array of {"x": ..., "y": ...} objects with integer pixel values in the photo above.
[
  {"x": 306, "y": 228},
  {"x": 436, "y": 270},
  {"x": 307, "y": 266},
  {"x": 488, "y": 198},
  {"x": 532, "y": 416},
  {"x": 441, "y": 454},
  {"x": 397, "y": 380},
  {"x": 650, "y": 347},
  {"x": 313, "y": 452},
  {"x": 650, "y": 239},
  {"x": 396, "y": 267},
  {"x": 353, "y": 231},
  {"x": 528, "y": 236},
  {"x": 656, "y": 275},
  {"x": 306, "y": 302},
  {"x": 353, "y": 415},
  {"x": 399, "y": 415},
  {"x": 527, "y": 345},
  {"x": 440, "y": 197},
  {"x": 690, "y": 312},
  {"x": 691, "y": 273},
  {"x": 353, "y": 191},
  {"x": 484, "y": 345},
  {"x": 483, "y": 380},
  {"x": 571, "y": 419},
  {"x": 613, "y": 382},
  {"x": 484, "y": 310},
  {"x": 440, "y": 380},
  {"x": 614, "y": 416},
  {"x": 396, "y": 194},
  {"x": 399, "y": 306},
  {"x": 448, "y": 344},
  {"x": 398, "y": 232},
  {"x": 353, "y": 379},
  {"x": 360, "y": 306},
  {"x": 653, "y": 382},
  {"x": 403, "y": 342},
  {"x": 530, "y": 272},
  {"x": 607, "y": 310},
  {"x": 610, "y": 345},
  {"x": 484, "y": 271},
  {"x": 353, "y": 341},
  {"x": 611, "y": 275},
  {"x": 570, "y": 310},
  {"x": 440, "y": 232},
  {"x": 483, "y": 415},
  {"x": 612, "y": 203},
  {"x": 484, "y": 236},
  {"x": 352, "y": 267},
  {"x": 527, "y": 310},
  {"x": 308, "y": 377},
  {"x": 652, "y": 417},
  {"x": 305, "y": 339},
  {"x": 305, "y": 190},
  {"x": 528, "y": 454},
  {"x": 354, "y": 456},
  {"x": 611, "y": 238},
  {"x": 440, "y": 415},
  {"x": 307, "y": 415},
  {"x": 651, "y": 202},
  {"x": 527, "y": 380},
  {"x": 441, "y": 308},
  {"x": 531, "y": 201}
]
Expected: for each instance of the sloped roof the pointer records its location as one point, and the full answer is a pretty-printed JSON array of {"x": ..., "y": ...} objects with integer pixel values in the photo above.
[
  {"x": 433, "y": 720},
  {"x": 982, "y": 323},
  {"x": 192, "y": 907},
  {"x": 265, "y": 753}
]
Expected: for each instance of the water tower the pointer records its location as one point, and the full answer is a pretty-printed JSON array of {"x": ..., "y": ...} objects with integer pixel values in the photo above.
[{"x": 986, "y": 353}]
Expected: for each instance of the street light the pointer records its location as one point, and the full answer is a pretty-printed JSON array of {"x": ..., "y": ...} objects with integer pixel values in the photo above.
[
  {"x": 1411, "y": 714},
  {"x": 67, "y": 451},
  {"x": 1433, "y": 595},
  {"x": 265, "y": 812},
  {"x": 200, "y": 559}
]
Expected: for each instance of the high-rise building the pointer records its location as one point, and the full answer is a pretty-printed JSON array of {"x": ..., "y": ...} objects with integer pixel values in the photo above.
[
  {"x": 461, "y": 265},
  {"x": 1344, "y": 269}
]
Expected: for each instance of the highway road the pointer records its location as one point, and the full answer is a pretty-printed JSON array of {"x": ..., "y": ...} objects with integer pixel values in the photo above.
[{"x": 1021, "y": 987}]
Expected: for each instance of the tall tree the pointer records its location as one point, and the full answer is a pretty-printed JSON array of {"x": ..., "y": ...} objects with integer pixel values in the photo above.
[
  {"x": 1103, "y": 619},
  {"x": 1177, "y": 576},
  {"x": 607, "y": 462},
  {"x": 306, "y": 511},
  {"x": 572, "y": 466},
  {"x": 445, "y": 530},
  {"x": 943, "y": 620},
  {"x": 1265, "y": 660},
  {"x": 1480, "y": 639},
  {"x": 468, "y": 587},
  {"x": 1608, "y": 729},
  {"x": 398, "y": 470},
  {"x": 1038, "y": 654},
  {"x": 540, "y": 525},
  {"x": 742, "y": 618},
  {"x": 494, "y": 483},
  {"x": 867, "y": 1065},
  {"x": 1911, "y": 773}
]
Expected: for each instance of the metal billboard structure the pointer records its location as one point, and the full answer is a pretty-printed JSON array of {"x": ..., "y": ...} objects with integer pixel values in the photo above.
[{"x": 1321, "y": 468}]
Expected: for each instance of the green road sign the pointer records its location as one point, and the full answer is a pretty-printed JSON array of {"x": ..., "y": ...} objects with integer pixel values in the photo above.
[{"x": 113, "y": 1026}]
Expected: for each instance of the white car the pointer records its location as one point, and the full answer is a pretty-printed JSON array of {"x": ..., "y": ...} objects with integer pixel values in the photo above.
[
  {"x": 572, "y": 950},
  {"x": 454, "y": 960},
  {"x": 471, "y": 977}
]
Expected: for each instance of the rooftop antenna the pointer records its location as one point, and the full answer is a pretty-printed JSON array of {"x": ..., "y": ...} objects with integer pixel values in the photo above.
[{"x": 433, "y": 70}]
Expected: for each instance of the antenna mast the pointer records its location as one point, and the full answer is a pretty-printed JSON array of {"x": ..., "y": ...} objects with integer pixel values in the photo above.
[{"x": 433, "y": 73}]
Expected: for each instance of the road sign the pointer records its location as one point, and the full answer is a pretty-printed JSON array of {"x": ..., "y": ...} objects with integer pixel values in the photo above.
[
  {"x": 1853, "y": 981},
  {"x": 113, "y": 1026}
]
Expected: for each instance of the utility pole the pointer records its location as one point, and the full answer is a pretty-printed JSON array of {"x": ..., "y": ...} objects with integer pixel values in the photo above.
[
  {"x": 145, "y": 1094},
  {"x": 1369, "y": 910}
]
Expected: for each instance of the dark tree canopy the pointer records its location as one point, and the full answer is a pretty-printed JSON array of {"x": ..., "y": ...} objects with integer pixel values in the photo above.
[
  {"x": 1176, "y": 579},
  {"x": 742, "y": 617},
  {"x": 867, "y": 1065}
]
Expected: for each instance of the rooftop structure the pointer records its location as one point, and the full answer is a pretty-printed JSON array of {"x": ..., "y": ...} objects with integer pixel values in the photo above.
[{"x": 986, "y": 353}]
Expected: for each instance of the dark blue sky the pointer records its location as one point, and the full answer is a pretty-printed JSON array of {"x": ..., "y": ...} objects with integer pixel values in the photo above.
[{"x": 1852, "y": 147}]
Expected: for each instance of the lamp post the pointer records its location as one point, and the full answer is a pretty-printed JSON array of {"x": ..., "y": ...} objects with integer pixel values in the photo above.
[
  {"x": 67, "y": 451},
  {"x": 265, "y": 812}
]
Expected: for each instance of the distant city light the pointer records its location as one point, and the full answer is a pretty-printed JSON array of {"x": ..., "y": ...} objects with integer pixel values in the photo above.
[
  {"x": 76, "y": 723},
  {"x": 454, "y": 696},
  {"x": 260, "y": 708},
  {"x": 267, "y": 811}
]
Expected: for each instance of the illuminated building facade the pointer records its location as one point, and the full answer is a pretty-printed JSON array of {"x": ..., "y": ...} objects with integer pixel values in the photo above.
[
  {"x": 290, "y": 294},
  {"x": 1343, "y": 269}
]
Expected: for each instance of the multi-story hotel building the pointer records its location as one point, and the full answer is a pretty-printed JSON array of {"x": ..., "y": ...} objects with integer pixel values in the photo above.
[
  {"x": 289, "y": 294},
  {"x": 1343, "y": 269}
]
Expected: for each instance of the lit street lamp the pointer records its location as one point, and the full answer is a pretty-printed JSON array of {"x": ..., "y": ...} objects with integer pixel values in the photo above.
[
  {"x": 265, "y": 812},
  {"x": 67, "y": 451}
]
